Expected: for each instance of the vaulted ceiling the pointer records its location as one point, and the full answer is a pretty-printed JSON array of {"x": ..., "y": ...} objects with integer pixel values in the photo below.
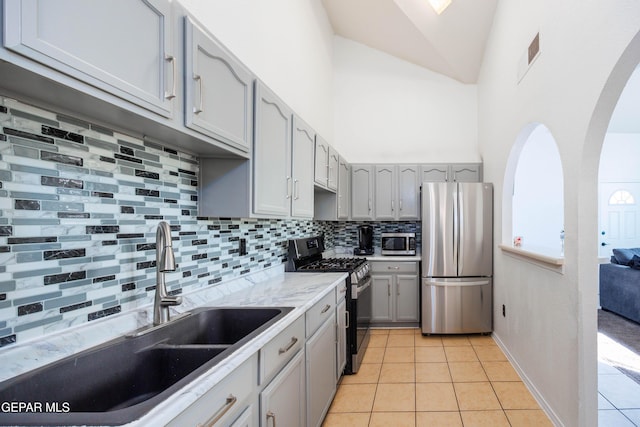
[{"x": 451, "y": 44}]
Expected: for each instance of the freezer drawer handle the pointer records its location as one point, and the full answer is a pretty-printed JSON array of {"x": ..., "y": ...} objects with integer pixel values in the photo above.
[
  {"x": 393, "y": 268},
  {"x": 475, "y": 283}
]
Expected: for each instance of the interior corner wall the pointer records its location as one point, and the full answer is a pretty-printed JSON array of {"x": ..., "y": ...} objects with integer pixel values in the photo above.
[
  {"x": 391, "y": 111},
  {"x": 549, "y": 331},
  {"x": 287, "y": 43}
]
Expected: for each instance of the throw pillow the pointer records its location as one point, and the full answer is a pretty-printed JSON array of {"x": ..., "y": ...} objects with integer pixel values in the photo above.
[
  {"x": 635, "y": 262},
  {"x": 624, "y": 256}
]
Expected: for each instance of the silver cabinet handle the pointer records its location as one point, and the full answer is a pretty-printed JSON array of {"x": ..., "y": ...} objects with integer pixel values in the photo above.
[
  {"x": 199, "y": 108},
  {"x": 293, "y": 342},
  {"x": 346, "y": 313},
  {"x": 343, "y": 290},
  {"x": 393, "y": 268},
  {"x": 369, "y": 204},
  {"x": 325, "y": 309},
  {"x": 231, "y": 400},
  {"x": 296, "y": 196},
  {"x": 272, "y": 416},
  {"x": 392, "y": 206},
  {"x": 389, "y": 289},
  {"x": 288, "y": 187},
  {"x": 172, "y": 94},
  {"x": 400, "y": 202}
]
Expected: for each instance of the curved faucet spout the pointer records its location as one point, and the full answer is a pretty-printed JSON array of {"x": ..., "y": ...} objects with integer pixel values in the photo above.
[{"x": 165, "y": 261}]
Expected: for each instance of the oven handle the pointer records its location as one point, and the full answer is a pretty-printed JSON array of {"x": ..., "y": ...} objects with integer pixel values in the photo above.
[{"x": 362, "y": 287}]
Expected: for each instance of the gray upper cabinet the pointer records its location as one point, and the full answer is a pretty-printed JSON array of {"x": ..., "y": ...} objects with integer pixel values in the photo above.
[
  {"x": 218, "y": 90},
  {"x": 397, "y": 192},
  {"x": 362, "y": 185},
  {"x": 272, "y": 180},
  {"x": 385, "y": 194},
  {"x": 321, "y": 161},
  {"x": 334, "y": 161},
  {"x": 344, "y": 189},
  {"x": 460, "y": 172},
  {"x": 408, "y": 192},
  {"x": 123, "y": 47},
  {"x": 302, "y": 169}
]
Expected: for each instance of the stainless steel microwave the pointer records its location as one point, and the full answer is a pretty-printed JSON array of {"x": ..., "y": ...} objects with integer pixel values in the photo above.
[{"x": 398, "y": 243}]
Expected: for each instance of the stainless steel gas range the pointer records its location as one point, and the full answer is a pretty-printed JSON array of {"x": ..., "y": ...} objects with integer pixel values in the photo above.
[{"x": 305, "y": 255}]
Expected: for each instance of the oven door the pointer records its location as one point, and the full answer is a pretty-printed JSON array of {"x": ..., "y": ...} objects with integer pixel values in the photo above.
[{"x": 362, "y": 302}]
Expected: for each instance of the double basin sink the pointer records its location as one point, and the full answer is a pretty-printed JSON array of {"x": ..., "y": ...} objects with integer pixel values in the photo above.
[{"x": 121, "y": 380}]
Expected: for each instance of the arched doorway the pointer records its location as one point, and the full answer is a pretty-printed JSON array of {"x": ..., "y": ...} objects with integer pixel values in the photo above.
[{"x": 588, "y": 225}]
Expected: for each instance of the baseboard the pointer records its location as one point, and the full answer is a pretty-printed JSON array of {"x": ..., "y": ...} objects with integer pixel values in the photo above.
[{"x": 527, "y": 382}]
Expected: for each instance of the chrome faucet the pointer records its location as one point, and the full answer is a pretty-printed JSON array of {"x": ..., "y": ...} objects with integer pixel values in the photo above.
[{"x": 165, "y": 261}]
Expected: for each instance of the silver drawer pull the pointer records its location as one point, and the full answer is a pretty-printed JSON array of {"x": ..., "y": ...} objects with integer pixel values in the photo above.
[
  {"x": 172, "y": 94},
  {"x": 393, "y": 268},
  {"x": 199, "y": 109},
  {"x": 343, "y": 290},
  {"x": 325, "y": 309},
  {"x": 293, "y": 342},
  {"x": 231, "y": 400},
  {"x": 273, "y": 416}
]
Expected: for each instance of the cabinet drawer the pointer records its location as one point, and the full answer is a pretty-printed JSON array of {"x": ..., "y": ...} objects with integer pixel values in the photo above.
[
  {"x": 320, "y": 312},
  {"x": 388, "y": 267},
  {"x": 224, "y": 401},
  {"x": 277, "y": 352}
]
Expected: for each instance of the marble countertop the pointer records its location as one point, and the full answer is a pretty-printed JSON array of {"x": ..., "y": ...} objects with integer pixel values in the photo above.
[{"x": 270, "y": 287}]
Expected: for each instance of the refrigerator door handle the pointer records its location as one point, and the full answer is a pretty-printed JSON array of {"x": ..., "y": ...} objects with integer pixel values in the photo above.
[
  {"x": 445, "y": 284},
  {"x": 461, "y": 230},
  {"x": 456, "y": 229}
]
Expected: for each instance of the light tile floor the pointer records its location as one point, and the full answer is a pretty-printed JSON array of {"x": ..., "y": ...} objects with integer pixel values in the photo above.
[
  {"x": 618, "y": 398},
  {"x": 411, "y": 380}
]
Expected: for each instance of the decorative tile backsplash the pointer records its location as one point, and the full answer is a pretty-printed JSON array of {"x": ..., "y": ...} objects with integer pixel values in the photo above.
[{"x": 79, "y": 209}]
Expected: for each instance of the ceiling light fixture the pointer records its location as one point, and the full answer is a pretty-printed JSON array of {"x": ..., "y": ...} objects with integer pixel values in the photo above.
[{"x": 439, "y": 5}]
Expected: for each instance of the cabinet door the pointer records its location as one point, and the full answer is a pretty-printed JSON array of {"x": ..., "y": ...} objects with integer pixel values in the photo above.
[
  {"x": 302, "y": 169},
  {"x": 246, "y": 419},
  {"x": 219, "y": 90},
  {"x": 466, "y": 173},
  {"x": 434, "y": 173},
  {"x": 321, "y": 169},
  {"x": 334, "y": 160},
  {"x": 282, "y": 402},
  {"x": 408, "y": 193},
  {"x": 120, "y": 46},
  {"x": 382, "y": 309},
  {"x": 341, "y": 342},
  {"x": 407, "y": 298},
  {"x": 344, "y": 187},
  {"x": 272, "y": 181},
  {"x": 362, "y": 192},
  {"x": 385, "y": 194},
  {"x": 321, "y": 366}
]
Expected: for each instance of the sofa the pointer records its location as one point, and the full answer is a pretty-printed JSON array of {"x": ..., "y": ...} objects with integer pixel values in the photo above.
[{"x": 620, "y": 284}]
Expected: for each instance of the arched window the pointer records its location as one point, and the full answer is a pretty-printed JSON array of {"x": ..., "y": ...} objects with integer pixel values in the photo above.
[
  {"x": 622, "y": 197},
  {"x": 534, "y": 192}
]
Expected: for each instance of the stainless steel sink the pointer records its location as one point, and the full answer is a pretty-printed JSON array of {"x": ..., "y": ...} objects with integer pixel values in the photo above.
[{"x": 119, "y": 381}]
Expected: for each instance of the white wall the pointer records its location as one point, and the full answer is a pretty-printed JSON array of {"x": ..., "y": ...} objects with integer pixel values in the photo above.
[
  {"x": 538, "y": 202},
  {"x": 549, "y": 330},
  {"x": 620, "y": 161},
  {"x": 389, "y": 110},
  {"x": 286, "y": 43}
]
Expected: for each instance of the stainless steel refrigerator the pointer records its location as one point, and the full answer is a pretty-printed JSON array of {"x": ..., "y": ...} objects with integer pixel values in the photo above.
[{"x": 457, "y": 258}]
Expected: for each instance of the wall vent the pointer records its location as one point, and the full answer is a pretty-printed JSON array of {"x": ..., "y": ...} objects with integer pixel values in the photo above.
[{"x": 528, "y": 57}]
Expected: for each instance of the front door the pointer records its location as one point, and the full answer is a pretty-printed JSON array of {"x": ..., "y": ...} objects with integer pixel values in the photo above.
[{"x": 619, "y": 215}]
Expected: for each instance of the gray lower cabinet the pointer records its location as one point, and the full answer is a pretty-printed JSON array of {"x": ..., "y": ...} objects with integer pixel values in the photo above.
[
  {"x": 395, "y": 292},
  {"x": 362, "y": 185},
  {"x": 218, "y": 90},
  {"x": 321, "y": 368},
  {"x": 117, "y": 59},
  {"x": 458, "y": 172},
  {"x": 230, "y": 402},
  {"x": 282, "y": 402}
]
